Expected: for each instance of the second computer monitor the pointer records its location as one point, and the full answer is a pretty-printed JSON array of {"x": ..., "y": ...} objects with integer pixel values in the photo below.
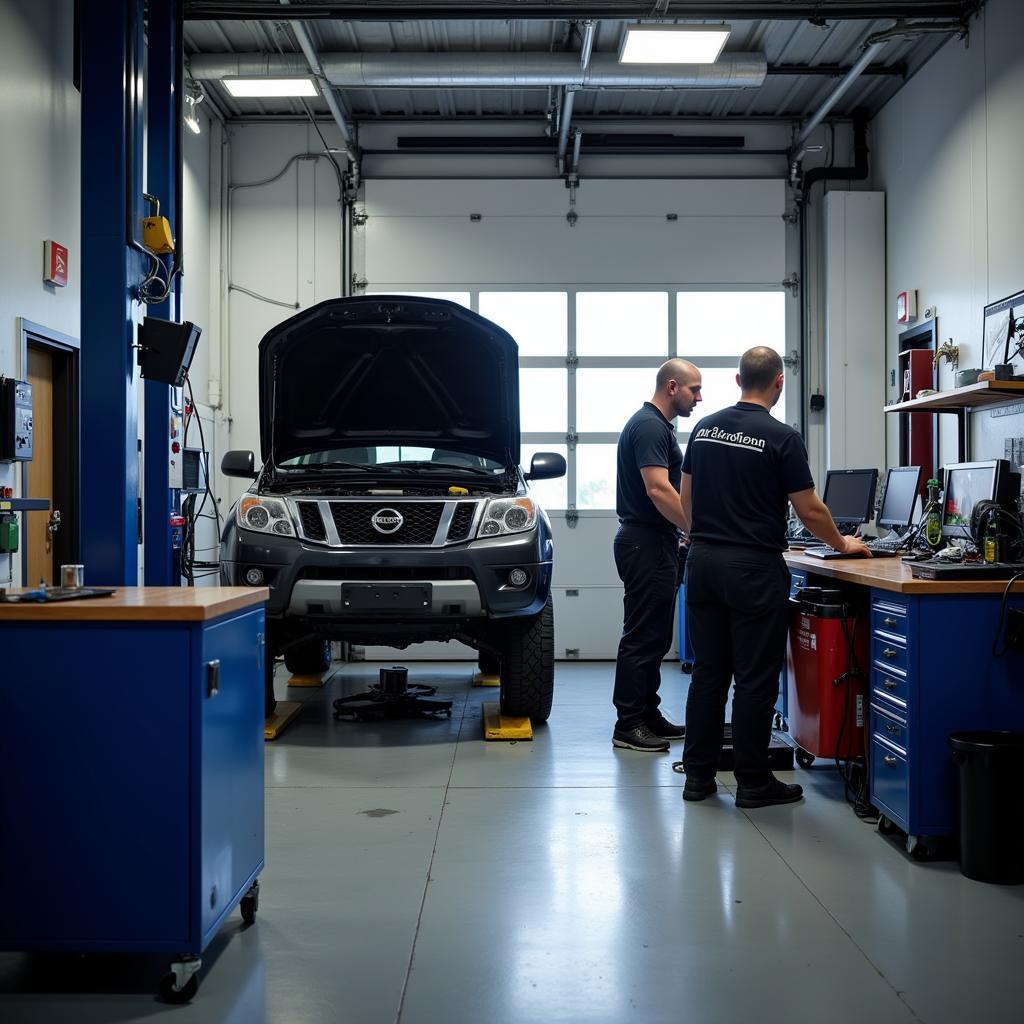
[
  {"x": 850, "y": 495},
  {"x": 900, "y": 496},
  {"x": 967, "y": 483}
]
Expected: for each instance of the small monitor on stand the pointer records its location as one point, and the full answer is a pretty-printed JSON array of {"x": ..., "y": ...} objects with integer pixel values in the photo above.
[
  {"x": 967, "y": 483},
  {"x": 850, "y": 496},
  {"x": 899, "y": 497}
]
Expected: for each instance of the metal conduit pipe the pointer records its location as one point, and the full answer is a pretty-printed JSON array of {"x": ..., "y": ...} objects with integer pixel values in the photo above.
[
  {"x": 832, "y": 99},
  {"x": 589, "y": 28},
  {"x": 577, "y": 139},
  {"x": 312, "y": 58},
  {"x": 563, "y": 124},
  {"x": 545, "y": 10},
  {"x": 483, "y": 70}
]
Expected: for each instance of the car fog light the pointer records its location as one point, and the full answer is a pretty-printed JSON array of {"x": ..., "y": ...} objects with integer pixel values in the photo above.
[
  {"x": 254, "y": 576},
  {"x": 489, "y": 529},
  {"x": 519, "y": 577}
]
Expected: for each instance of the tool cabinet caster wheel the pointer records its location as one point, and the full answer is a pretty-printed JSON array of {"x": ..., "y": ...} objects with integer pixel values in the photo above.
[
  {"x": 687, "y": 667},
  {"x": 886, "y": 827},
  {"x": 250, "y": 903},
  {"x": 804, "y": 758},
  {"x": 921, "y": 848},
  {"x": 181, "y": 982}
]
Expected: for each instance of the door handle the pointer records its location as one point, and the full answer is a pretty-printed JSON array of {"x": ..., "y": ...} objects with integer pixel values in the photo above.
[
  {"x": 890, "y": 760},
  {"x": 213, "y": 678},
  {"x": 53, "y": 523}
]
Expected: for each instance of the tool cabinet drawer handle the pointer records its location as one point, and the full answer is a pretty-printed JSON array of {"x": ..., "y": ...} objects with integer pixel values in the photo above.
[
  {"x": 890, "y": 760},
  {"x": 889, "y": 653},
  {"x": 890, "y": 684},
  {"x": 889, "y": 621}
]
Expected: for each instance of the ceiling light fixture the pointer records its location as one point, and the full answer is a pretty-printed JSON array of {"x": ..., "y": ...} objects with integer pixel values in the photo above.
[
  {"x": 263, "y": 88},
  {"x": 673, "y": 44}
]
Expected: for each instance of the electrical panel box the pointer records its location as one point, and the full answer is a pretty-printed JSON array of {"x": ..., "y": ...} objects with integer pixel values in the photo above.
[
  {"x": 15, "y": 420},
  {"x": 193, "y": 470}
]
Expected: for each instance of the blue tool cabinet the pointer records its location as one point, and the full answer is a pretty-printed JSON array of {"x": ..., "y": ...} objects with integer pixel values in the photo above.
[
  {"x": 931, "y": 673},
  {"x": 131, "y": 772}
]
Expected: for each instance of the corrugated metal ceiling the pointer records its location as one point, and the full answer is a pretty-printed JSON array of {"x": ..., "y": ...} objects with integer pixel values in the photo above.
[{"x": 786, "y": 45}]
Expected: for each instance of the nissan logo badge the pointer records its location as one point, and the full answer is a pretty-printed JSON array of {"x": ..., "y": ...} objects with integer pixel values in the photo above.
[{"x": 387, "y": 520}]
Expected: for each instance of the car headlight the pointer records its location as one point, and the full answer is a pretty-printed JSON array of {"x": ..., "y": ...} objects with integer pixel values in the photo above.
[
  {"x": 508, "y": 515},
  {"x": 265, "y": 515}
]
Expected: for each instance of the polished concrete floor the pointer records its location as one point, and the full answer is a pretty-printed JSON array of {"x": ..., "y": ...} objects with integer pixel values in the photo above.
[{"x": 418, "y": 875}]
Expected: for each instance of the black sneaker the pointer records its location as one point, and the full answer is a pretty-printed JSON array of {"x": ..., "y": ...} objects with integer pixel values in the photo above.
[
  {"x": 773, "y": 792},
  {"x": 639, "y": 737},
  {"x": 699, "y": 789},
  {"x": 662, "y": 727}
]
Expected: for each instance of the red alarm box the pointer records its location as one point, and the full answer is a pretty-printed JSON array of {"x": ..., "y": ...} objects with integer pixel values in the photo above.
[{"x": 827, "y": 705}]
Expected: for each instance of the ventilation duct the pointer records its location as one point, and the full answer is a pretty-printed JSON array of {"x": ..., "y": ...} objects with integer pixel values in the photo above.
[{"x": 487, "y": 70}]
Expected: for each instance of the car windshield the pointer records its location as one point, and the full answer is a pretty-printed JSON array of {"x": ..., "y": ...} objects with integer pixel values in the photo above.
[{"x": 394, "y": 457}]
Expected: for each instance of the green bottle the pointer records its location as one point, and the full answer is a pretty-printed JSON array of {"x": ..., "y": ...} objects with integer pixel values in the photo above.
[{"x": 933, "y": 520}]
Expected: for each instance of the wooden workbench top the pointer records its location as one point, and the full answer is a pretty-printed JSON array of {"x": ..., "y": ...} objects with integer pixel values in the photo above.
[
  {"x": 139, "y": 604},
  {"x": 887, "y": 574}
]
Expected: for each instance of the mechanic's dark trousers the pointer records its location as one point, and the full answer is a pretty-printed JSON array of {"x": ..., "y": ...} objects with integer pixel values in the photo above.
[
  {"x": 738, "y": 615},
  {"x": 647, "y": 562}
]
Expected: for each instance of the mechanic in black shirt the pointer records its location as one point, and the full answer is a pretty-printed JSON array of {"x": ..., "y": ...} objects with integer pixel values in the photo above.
[
  {"x": 741, "y": 468},
  {"x": 647, "y": 501}
]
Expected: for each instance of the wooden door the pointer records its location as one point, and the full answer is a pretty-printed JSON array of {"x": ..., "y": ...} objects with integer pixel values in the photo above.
[{"x": 38, "y": 545}]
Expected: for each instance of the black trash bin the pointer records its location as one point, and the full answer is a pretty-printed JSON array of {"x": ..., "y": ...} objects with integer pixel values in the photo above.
[{"x": 991, "y": 769}]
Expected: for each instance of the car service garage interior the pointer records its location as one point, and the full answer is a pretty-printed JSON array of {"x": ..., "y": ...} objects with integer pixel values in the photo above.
[{"x": 511, "y": 511}]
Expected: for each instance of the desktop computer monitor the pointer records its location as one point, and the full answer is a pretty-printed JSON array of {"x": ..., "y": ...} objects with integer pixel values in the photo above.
[
  {"x": 967, "y": 483},
  {"x": 899, "y": 497},
  {"x": 850, "y": 495}
]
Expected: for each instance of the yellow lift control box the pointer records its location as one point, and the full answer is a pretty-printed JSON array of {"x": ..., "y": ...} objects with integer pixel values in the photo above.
[{"x": 156, "y": 235}]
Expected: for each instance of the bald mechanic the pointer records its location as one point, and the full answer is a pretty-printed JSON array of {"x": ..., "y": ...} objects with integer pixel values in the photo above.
[
  {"x": 647, "y": 500},
  {"x": 741, "y": 467}
]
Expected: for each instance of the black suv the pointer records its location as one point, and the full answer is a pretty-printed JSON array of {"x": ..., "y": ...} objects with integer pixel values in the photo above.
[{"x": 390, "y": 507}]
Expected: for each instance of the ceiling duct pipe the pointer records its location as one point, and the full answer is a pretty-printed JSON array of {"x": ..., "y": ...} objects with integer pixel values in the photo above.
[
  {"x": 487, "y": 70},
  {"x": 309, "y": 52},
  {"x": 851, "y": 76}
]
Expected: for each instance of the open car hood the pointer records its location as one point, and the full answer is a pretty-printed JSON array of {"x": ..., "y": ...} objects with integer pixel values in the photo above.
[{"x": 389, "y": 370}]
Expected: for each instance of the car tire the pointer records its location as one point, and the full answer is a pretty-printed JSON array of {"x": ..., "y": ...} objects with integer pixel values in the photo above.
[
  {"x": 310, "y": 658},
  {"x": 489, "y": 664},
  {"x": 528, "y": 666}
]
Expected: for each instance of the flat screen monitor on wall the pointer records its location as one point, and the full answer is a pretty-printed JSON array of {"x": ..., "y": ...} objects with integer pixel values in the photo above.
[
  {"x": 850, "y": 495},
  {"x": 1003, "y": 333}
]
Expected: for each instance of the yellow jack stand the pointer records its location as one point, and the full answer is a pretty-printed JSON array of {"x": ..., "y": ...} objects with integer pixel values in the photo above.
[
  {"x": 483, "y": 679},
  {"x": 499, "y": 727},
  {"x": 314, "y": 682},
  {"x": 275, "y": 724}
]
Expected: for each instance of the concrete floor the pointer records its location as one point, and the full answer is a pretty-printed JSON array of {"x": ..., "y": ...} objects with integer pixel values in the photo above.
[{"x": 416, "y": 874}]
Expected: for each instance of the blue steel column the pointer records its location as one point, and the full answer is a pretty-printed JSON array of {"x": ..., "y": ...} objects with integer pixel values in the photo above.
[
  {"x": 163, "y": 105},
  {"x": 111, "y": 76}
]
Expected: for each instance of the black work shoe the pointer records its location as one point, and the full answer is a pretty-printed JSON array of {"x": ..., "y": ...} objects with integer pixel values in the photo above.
[
  {"x": 699, "y": 789},
  {"x": 662, "y": 727},
  {"x": 639, "y": 737},
  {"x": 773, "y": 792}
]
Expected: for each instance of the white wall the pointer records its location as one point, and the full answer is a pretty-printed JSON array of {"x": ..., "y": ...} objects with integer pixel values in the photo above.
[
  {"x": 948, "y": 152},
  {"x": 39, "y": 183}
]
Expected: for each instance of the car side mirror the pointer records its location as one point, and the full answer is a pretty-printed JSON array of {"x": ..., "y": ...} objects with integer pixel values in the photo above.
[
  {"x": 239, "y": 464},
  {"x": 546, "y": 466}
]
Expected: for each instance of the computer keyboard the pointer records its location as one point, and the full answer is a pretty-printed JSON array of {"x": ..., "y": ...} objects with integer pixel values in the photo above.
[{"x": 879, "y": 549}]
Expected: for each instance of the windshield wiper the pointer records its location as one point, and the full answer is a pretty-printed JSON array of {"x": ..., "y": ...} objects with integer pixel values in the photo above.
[
  {"x": 448, "y": 467},
  {"x": 315, "y": 467}
]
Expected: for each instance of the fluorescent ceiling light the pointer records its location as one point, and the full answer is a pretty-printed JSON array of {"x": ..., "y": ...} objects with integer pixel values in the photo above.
[
  {"x": 268, "y": 87},
  {"x": 673, "y": 44}
]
